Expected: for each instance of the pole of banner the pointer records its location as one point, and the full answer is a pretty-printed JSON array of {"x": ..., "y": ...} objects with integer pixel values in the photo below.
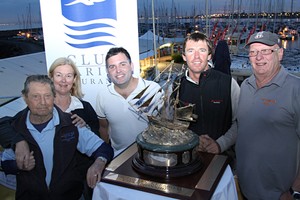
[{"x": 154, "y": 39}]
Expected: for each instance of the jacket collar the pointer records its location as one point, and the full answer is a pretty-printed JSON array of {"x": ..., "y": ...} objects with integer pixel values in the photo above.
[{"x": 203, "y": 74}]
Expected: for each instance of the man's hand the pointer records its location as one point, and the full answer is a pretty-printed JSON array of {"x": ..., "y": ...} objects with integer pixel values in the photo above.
[
  {"x": 23, "y": 155},
  {"x": 208, "y": 145},
  {"x": 94, "y": 173},
  {"x": 78, "y": 121}
]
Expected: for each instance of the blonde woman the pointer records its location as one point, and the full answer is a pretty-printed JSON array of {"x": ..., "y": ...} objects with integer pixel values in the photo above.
[{"x": 66, "y": 79}]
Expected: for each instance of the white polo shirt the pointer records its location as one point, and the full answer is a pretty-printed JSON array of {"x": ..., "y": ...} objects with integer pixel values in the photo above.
[{"x": 126, "y": 119}]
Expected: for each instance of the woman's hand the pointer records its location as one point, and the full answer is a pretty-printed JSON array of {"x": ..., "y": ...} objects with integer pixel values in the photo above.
[{"x": 78, "y": 121}]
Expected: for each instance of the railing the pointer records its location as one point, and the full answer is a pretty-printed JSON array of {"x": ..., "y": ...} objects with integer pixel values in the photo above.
[{"x": 7, "y": 99}]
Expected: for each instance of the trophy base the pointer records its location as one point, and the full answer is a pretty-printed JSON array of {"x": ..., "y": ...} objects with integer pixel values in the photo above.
[
  {"x": 166, "y": 172},
  {"x": 199, "y": 185}
]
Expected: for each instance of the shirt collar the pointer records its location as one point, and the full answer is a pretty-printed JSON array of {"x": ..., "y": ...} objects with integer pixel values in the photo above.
[
  {"x": 191, "y": 80},
  {"x": 278, "y": 79},
  {"x": 54, "y": 121},
  {"x": 75, "y": 104},
  {"x": 141, "y": 81}
]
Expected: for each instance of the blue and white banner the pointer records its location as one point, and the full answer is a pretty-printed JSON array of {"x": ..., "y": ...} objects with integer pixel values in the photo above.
[{"x": 84, "y": 30}]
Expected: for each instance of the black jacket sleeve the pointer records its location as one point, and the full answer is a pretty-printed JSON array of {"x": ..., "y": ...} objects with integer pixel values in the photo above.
[
  {"x": 9, "y": 167},
  {"x": 105, "y": 150},
  {"x": 8, "y": 135}
]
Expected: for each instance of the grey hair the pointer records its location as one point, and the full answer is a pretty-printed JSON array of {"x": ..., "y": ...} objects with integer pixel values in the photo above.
[{"x": 40, "y": 79}]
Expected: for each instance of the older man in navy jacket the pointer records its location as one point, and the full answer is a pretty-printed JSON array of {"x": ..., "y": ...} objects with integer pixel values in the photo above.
[{"x": 55, "y": 144}]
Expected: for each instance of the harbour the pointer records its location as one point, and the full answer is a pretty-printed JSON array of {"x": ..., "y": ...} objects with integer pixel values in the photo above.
[
  {"x": 235, "y": 30},
  {"x": 171, "y": 24}
]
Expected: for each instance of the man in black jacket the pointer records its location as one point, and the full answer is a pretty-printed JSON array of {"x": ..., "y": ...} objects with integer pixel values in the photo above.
[
  {"x": 55, "y": 144},
  {"x": 214, "y": 94}
]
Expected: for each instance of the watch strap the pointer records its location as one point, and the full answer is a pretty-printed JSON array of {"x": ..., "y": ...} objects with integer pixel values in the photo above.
[
  {"x": 103, "y": 159},
  {"x": 295, "y": 194}
]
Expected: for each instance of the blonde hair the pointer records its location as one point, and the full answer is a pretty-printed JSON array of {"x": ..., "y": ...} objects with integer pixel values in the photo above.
[{"x": 76, "y": 88}]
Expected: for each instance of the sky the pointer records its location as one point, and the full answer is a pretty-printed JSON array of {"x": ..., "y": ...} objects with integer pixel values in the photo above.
[{"x": 14, "y": 11}]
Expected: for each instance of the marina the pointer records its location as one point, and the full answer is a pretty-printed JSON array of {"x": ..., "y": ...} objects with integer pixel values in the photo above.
[
  {"x": 170, "y": 48},
  {"x": 235, "y": 23},
  {"x": 235, "y": 31}
]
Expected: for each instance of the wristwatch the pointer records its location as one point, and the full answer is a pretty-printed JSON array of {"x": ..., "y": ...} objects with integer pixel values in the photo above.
[
  {"x": 105, "y": 160},
  {"x": 295, "y": 194}
]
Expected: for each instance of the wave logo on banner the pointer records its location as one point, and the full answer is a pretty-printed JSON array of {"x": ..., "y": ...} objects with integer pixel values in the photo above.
[{"x": 89, "y": 23}]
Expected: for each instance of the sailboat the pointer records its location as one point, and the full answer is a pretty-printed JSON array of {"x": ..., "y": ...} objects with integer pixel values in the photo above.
[{"x": 169, "y": 114}]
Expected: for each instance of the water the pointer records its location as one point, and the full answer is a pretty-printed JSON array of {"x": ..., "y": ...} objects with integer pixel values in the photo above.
[
  {"x": 17, "y": 26},
  {"x": 291, "y": 56},
  {"x": 290, "y": 44}
]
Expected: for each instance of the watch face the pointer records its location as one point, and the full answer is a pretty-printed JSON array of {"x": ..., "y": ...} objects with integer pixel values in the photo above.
[{"x": 295, "y": 194}]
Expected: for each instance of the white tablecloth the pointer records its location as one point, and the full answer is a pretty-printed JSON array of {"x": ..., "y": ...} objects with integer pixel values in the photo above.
[{"x": 103, "y": 191}]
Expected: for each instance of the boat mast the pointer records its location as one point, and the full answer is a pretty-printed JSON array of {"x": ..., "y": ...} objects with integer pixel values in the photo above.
[
  {"x": 154, "y": 39},
  {"x": 275, "y": 16},
  {"x": 239, "y": 10},
  {"x": 207, "y": 20}
]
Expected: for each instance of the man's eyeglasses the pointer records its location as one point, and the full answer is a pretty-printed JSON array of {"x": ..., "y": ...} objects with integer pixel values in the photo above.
[{"x": 253, "y": 53}]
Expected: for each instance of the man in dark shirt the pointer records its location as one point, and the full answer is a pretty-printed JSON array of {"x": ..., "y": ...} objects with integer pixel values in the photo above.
[{"x": 214, "y": 94}]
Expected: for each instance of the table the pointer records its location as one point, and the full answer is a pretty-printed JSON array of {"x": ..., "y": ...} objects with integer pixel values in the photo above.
[
  {"x": 225, "y": 190},
  {"x": 118, "y": 181}
]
